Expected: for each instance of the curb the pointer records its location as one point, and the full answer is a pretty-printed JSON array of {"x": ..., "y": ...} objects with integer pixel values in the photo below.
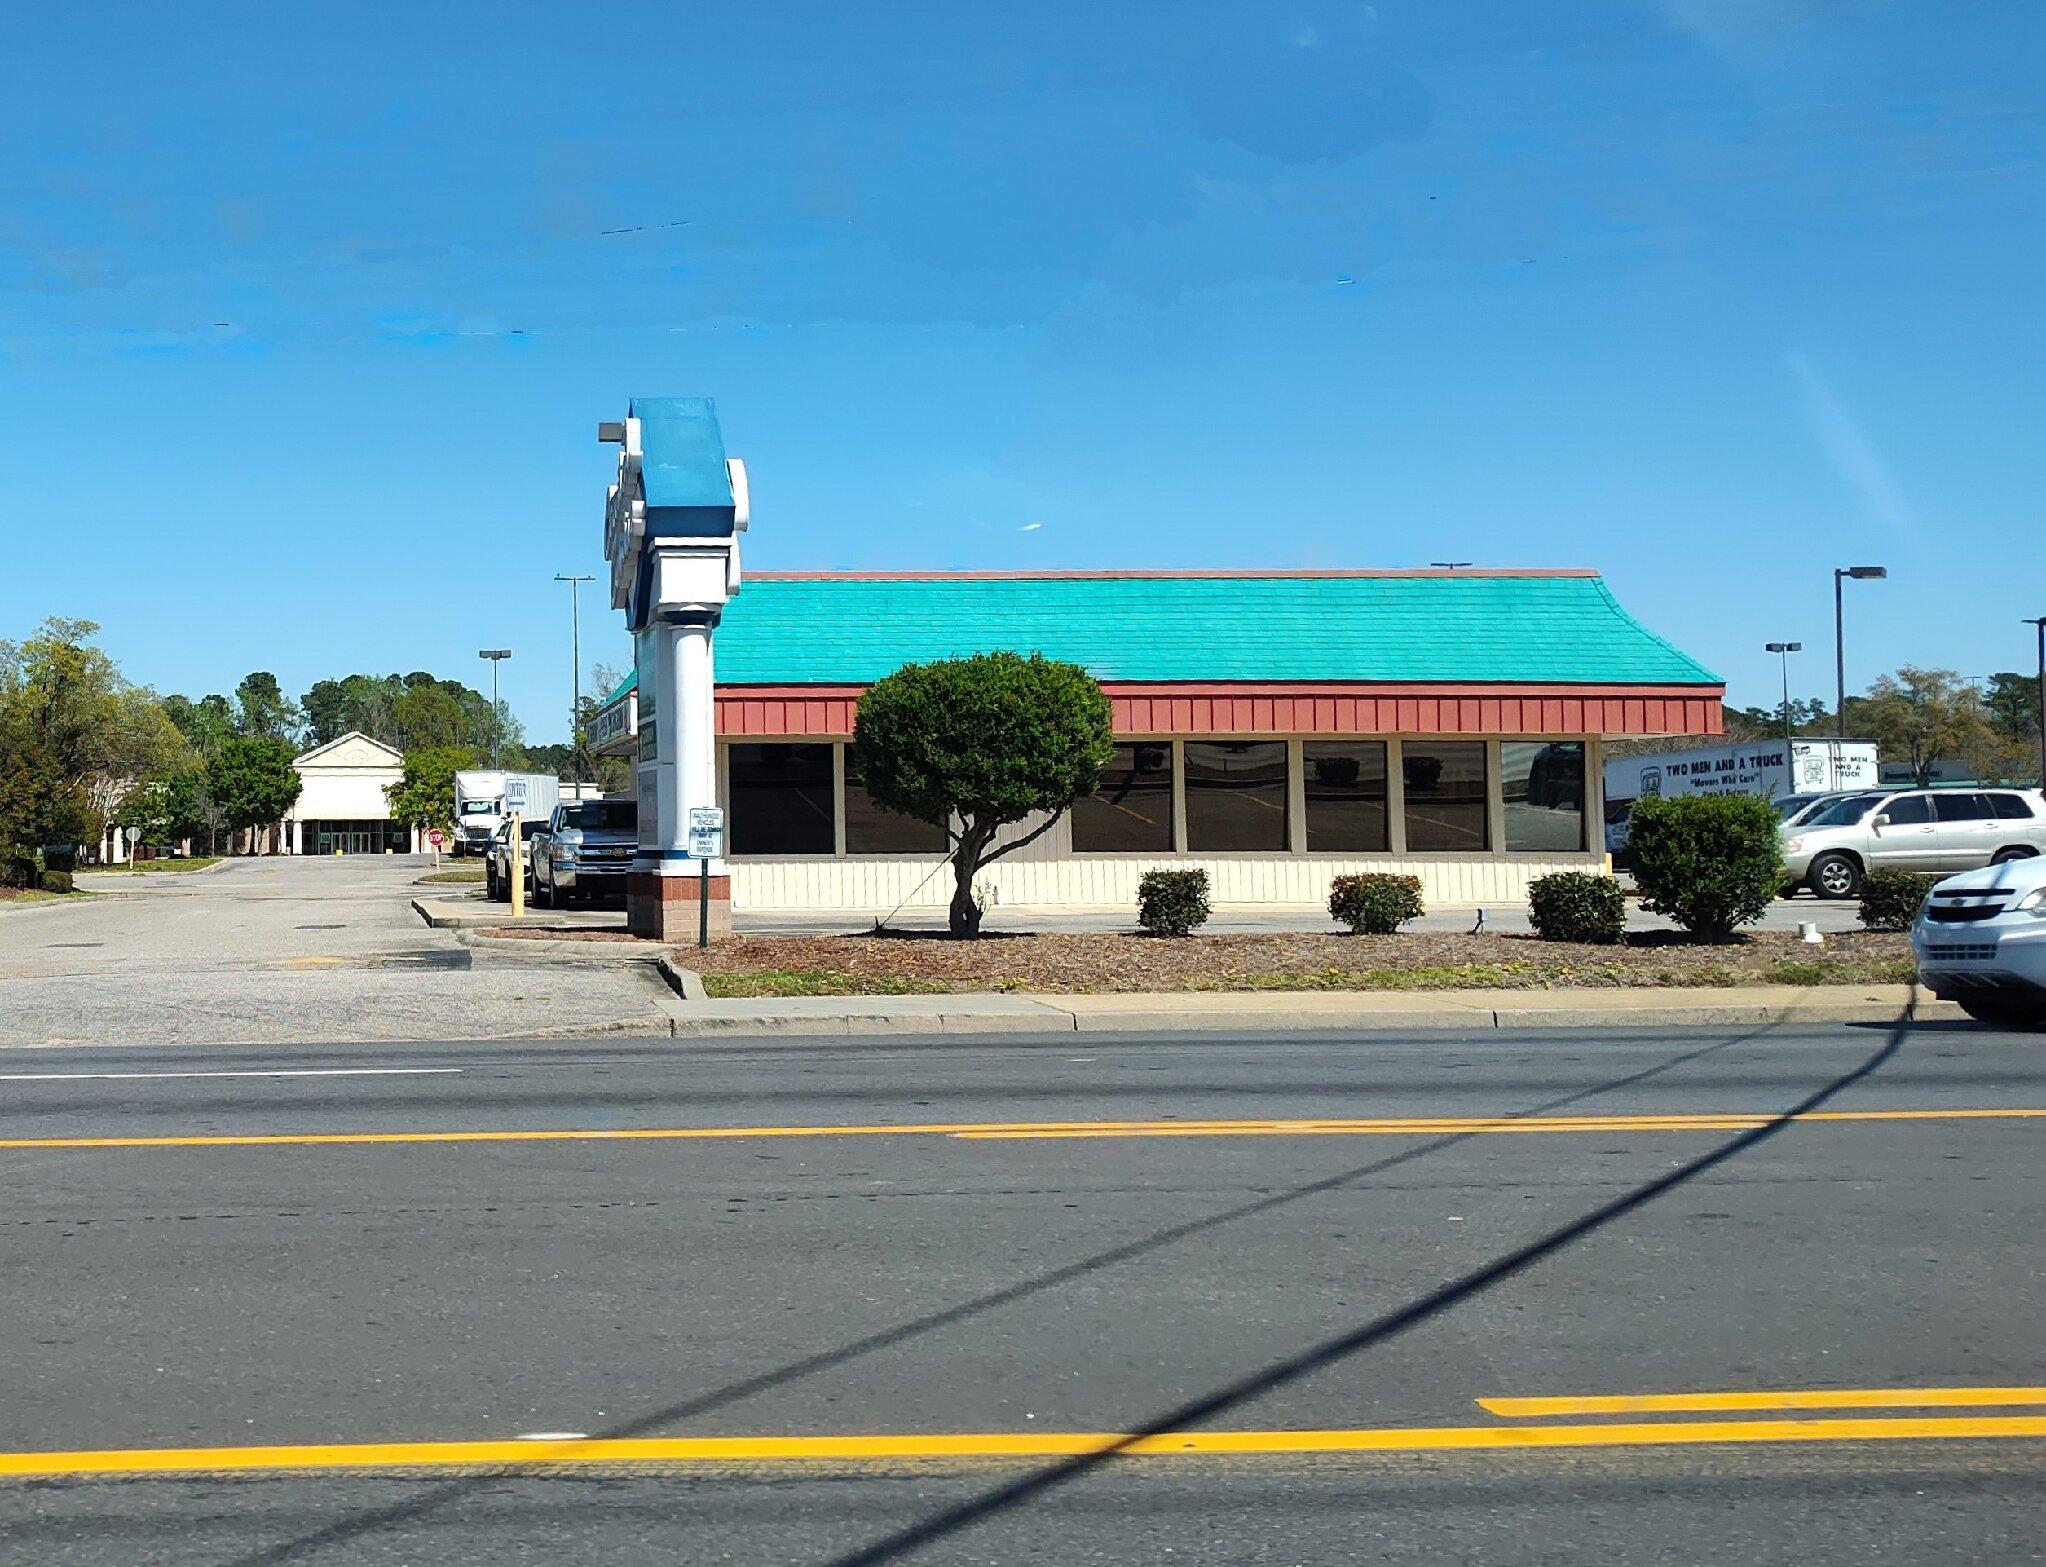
[
  {"x": 10, "y": 909},
  {"x": 685, "y": 982},
  {"x": 590, "y": 954},
  {"x": 690, "y": 1022}
]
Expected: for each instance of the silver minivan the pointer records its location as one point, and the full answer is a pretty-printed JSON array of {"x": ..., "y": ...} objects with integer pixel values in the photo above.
[{"x": 1931, "y": 830}]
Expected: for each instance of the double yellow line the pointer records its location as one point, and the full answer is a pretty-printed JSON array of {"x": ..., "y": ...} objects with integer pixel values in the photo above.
[
  {"x": 755, "y": 1450},
  {"x": 1008, "y": 1131}
]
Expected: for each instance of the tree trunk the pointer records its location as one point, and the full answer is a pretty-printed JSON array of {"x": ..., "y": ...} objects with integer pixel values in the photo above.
[{"x": 965, "y": 912}]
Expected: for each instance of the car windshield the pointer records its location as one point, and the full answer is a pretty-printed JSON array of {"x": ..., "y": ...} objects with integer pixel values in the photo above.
[
  {"x": 614, "y": 815},
  {"x": 1791, "y": 806},
  {"x": 1844, "y": 812},
  {"x": 479, "y": 807}
]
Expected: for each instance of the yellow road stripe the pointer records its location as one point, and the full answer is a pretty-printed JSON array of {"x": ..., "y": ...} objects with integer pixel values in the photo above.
[
  {"x": 1820, "y": 1398},
  {"x": 1731, "y": 1121},
  {"x": 1032, "y": 1444},
  {"x": 1406, "y": 1126}
]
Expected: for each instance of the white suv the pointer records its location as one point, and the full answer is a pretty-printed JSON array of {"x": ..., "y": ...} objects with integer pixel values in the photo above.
[
  {"x": 1930, "y": 830},
  {"x": 1981, "y": 941}
]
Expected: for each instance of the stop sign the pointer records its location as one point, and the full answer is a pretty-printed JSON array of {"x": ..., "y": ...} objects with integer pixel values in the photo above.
[{"x": 434, "y": 837}]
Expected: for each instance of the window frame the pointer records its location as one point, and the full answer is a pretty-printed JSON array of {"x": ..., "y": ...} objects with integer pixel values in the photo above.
[
  {"x": 1059, "y": 842},
  {"x": 1063, "y": 835},
  {"x": 837, "y": 850},
  {"x": 1496, "y": 786},
  {"x": 1181, "y": 822}
]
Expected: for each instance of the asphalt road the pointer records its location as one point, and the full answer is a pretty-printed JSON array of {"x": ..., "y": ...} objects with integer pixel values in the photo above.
[{"x": 1264, "y": 1243}]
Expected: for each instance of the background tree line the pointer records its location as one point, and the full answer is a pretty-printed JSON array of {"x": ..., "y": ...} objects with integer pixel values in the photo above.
[
  {"x": 83, "y": 748},
  {"x": 1922, "y": 716}
]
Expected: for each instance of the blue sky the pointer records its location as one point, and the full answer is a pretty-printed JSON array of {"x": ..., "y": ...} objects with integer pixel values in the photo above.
[{"x": 306, "y": 320}]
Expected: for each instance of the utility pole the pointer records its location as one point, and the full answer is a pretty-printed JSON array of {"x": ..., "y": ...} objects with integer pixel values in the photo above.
[
  {"x": 2040, "y": 624},
  {"x": 496, "y": 655},
  {"x": 575, "y": 690},
  {"x": 1840, "y": 575},
  {"x": 1783, "y": 650}
]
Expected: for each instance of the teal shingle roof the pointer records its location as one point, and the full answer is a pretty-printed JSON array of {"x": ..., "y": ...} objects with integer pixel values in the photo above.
[{"x": 1465, "y": 626}]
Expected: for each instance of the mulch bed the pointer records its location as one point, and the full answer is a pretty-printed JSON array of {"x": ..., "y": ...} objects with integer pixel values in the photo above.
[{"x": 794, "y": 965}]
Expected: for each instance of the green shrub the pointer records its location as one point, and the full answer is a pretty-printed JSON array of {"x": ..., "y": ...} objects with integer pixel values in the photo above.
[
  {"x": 1577, "y": 906},
  {"x": 1709, "y": 862},
  {"x": 1890, "y": 899},
  {"x": 56, "y": 881},
  {"x": 1375, "y": 905},
  {"x": 1172, "y": 903}
]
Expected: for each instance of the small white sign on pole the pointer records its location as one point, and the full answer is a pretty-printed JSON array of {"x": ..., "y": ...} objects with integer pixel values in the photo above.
[{"x": 706, "y": 832}]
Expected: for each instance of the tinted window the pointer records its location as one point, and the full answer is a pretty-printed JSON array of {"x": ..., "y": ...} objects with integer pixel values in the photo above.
[
  {"x": 1544, "y": 788},
  {"x": 614, "y": 815},
  {"x": 1843, "y": 813},
  {"x": 871, "y": 830},
  {"x": 1445, "y": 782},
  {"x": 781, "y": 799},
  {"x": 1236, "y": 795},
  {"x": 1346, "y": 794},
  {"x": 1131, "y": 812},
  {"x": 1908, "y": 810},
  {"x": 2011, "y": 807},
  {"x": 1963, "y": 808}
]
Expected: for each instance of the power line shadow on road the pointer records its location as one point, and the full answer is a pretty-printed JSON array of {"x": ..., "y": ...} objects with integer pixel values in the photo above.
[
  {"x": 952, "y": 1520},
  {"x": 1379, "y": 1330}
]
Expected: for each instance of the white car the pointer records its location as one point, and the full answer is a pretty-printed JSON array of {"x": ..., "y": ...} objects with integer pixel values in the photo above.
[
  {"x": 1980, "y": 940},
  {"x": 1830, "y": 847}
]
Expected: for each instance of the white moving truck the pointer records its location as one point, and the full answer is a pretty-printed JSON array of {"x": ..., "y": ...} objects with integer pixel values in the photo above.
[
  {"x": 1764, "y": 767},
  {"x": 484, "y": 799}
]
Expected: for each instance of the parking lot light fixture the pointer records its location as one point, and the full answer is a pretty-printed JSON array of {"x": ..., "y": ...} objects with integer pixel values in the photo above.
[
  {"x": 1783, "y": 650},
  {"x": 2038, "y": 623},
  {"x": 1840, "y": 575},
  {"x": 496, "y": 655}
]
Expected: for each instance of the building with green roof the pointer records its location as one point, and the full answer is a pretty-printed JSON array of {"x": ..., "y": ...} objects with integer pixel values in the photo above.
[{"x": 1276, "y": 728}]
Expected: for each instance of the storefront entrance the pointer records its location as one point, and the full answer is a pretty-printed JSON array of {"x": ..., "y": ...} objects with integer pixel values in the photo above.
[{"x": 356, "y": 837}]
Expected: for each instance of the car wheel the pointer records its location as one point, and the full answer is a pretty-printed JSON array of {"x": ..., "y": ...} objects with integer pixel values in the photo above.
[
  {"x": 2003, "y": 1011},
  {"x": 2005, "y": 856},
  {"x": 1835, "y": 876},
  {"x": 490, "y": 884},
  {"x": 541, "y": 896}
]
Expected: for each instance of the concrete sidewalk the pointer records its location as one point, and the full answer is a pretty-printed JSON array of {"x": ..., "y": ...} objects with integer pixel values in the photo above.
[{"x": 1293, "y": 1011}]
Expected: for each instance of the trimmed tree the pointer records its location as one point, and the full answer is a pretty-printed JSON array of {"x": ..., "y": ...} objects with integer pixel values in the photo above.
[
  {"x": 1710, "y": 862},
  {"x": 251, "y": 779},
  {"x": 424, "y": 796},
  {"x": 978, "y": 744}
]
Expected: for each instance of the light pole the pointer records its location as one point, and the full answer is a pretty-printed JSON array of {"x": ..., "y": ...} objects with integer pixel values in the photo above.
[
  {"x": 1840, "y": 575},
  {"x": 496, "y": 655},
  {"x": 2040, "y": 624},
  {"x": 1783, "y": 650},
  {"x": 575, "y": 690}
]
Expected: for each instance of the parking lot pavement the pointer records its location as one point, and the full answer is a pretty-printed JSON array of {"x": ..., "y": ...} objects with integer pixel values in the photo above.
[{"x": 284, "y": 950}]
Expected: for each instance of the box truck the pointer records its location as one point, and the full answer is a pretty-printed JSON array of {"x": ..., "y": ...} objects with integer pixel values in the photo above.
[
  {"x": 484, "y": 799},
  {"x": 1769, "y": 768}
]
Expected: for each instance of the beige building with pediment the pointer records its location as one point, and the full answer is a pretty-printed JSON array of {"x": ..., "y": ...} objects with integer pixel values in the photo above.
[{"x": 342, "y": 807}]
